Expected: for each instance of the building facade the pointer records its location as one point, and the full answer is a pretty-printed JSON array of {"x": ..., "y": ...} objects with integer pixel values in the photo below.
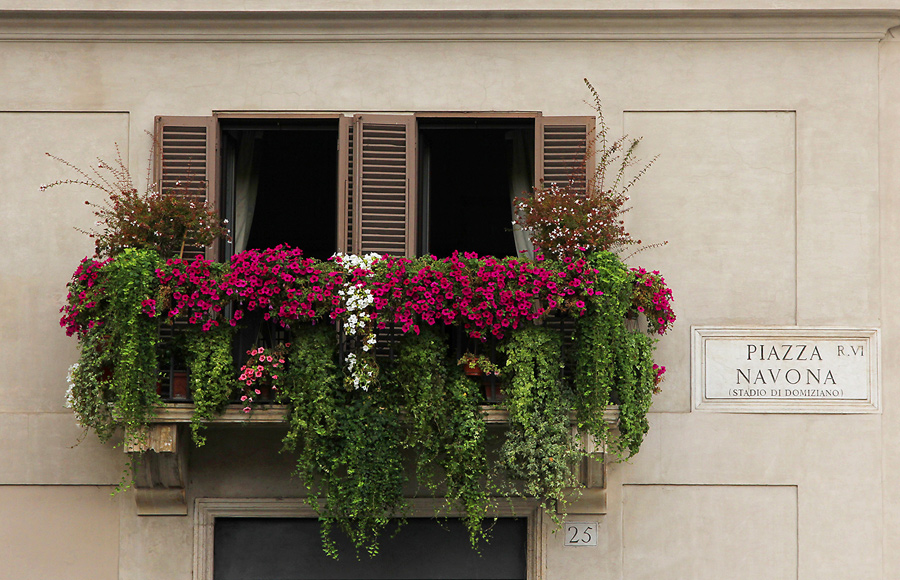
[{"x": 776, "y": 187}]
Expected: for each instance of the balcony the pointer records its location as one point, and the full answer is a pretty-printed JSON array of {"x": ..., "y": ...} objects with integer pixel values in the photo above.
[{"x": 363, "y": 359}]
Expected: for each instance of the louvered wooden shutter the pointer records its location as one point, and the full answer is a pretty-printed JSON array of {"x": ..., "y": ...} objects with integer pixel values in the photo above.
[
  {"x": 384, "y": 185},
  {"x": 345, "y": 185},
  {"x": 187, "y": 164},
  {"x": 564, "y": 151}
]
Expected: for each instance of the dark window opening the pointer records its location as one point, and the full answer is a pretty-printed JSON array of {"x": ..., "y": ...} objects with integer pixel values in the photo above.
[
  {"x": 469, "y": 172},
  {"x": 281, "y": 184},
  {"x": 423, "y": 549}
]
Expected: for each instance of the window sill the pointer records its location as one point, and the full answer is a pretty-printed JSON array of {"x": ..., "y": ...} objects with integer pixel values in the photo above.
[{"x": 266, "y": 414}]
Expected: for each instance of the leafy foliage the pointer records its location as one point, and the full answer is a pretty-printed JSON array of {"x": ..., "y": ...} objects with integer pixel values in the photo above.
[
  {"x": 445, "y": 425},
  {"x": 539, "y": 450},
  {"x": 346, "y": 442},
  {"x": 114, "y": 385},
  {"x": 212, "y": 376}
]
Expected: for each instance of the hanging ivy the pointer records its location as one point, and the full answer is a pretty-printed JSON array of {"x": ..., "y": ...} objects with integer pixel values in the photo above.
[
  {"x": 443, "y": 425},
  {"x": 114, "y": 384},
  {"x": 539, "y": 451},
  {"x": 212, "y": 384}
]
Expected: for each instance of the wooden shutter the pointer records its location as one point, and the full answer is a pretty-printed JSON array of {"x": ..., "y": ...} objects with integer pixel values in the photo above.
[
  {"x": 345, "y": 185},
  {"x": 384, "y": 185},
  {"x": 186, "y": 163},
  {"x": 564, "y": 151}
]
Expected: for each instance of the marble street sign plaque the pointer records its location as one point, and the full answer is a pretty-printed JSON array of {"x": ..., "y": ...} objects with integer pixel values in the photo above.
[{"x": 785, "y": 370}]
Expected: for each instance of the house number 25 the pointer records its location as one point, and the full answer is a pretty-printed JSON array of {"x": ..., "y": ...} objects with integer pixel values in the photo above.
[{"x": 581, "y": 533}]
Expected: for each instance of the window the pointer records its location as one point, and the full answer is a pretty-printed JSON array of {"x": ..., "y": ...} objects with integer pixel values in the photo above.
[{"x": 392, "y": 184}]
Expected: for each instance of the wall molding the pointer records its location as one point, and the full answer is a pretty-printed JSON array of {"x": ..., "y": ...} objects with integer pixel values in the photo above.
[{"x": 444, "y": 25}]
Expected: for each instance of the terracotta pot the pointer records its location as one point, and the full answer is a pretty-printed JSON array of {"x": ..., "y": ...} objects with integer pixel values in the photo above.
[
  {"x": 265, "y": 394},
  {"x": 493, "y": 391},
  {"x": 472, "y": 371},
  {"x": 179, "y": 385}
]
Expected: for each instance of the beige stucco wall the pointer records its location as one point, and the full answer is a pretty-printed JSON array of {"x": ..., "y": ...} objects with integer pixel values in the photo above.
[
  {"x": 646, "y": 5},
  {"x": 775, "y": 188},
  {"x": 59, "y": 531},
  {"x": 890, "y": 242}
]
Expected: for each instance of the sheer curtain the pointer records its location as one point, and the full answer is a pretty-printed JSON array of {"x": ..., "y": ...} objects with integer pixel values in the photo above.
[
  {"x": 521, "y": 172},
  {"x": 246, "y": 185}
]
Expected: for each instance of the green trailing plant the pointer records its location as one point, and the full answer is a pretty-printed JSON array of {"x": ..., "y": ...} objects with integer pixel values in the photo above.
[
  {"x": 612, "y": 363},
  {"x": 363, "y": 474},
  {"x": 347, "y": 443},
  {"x": 444, "y": 425},
  {"x": 598, "y": 339},
  {"x": 469, "y": 486},
  {"x": 114, "y": 384},
  {"x": 637, "y": 378},
  {"x": 539, "y": 451},
  {"x": 350, "y": 442},
  {"x": 313, "y": 413},
  {"x": 212, "y": 383},
  {"x": 310, "y": 393}
]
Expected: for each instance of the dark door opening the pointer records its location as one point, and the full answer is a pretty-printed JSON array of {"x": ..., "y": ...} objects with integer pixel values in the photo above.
[
  {"x": 281, "y": 184},
  {"x": 470, "y": 170},
  {"x": 423, "y": 549}
]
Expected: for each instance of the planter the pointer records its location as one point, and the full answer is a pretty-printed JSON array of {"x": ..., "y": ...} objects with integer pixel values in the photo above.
[
  {"x": 472, "y": 371},
  {"x": 265, "y": 394},
  {"x": 493, "y": 390},
  {"x": 179, "y": 384}
]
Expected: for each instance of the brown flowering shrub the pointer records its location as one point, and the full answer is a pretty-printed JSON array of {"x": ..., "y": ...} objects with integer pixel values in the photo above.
[
  {"x": 564, "y": 221},
  {"x": 154, "y": 220}
]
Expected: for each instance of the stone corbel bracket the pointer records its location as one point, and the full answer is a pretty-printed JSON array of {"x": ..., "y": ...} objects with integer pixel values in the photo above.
[
  {"x": 160, "y": 471},
  {"x": 591, "y": 473}
]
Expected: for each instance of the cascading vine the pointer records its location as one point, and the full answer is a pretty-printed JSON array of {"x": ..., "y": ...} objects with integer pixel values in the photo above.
[
  {"x": 114, "y": 384},
  {"x": 539, "y": 451}
]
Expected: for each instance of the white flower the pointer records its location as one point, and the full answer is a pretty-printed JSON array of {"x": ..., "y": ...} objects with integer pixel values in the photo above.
[
  {"x": 70, "y": 391},
  {"x": 358, "y": 302}
]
